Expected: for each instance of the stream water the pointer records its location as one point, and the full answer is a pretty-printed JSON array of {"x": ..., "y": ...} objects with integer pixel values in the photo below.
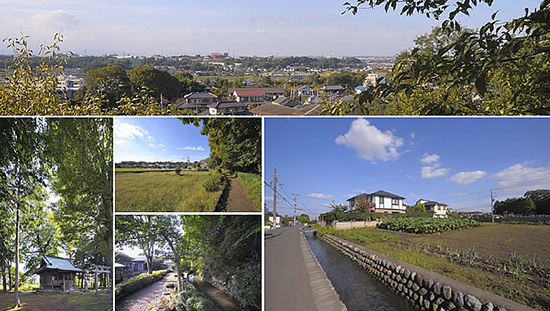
[{"x": 358, "y": 290}]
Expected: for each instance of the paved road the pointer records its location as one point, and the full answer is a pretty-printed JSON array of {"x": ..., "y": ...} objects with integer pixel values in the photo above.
[
  {"x": 238, "y": 200},
  {"x": 293, "y": 278},
  {"x": 138, "y": 301}
]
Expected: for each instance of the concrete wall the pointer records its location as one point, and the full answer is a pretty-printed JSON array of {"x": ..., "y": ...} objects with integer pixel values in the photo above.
[
  {"x": 353, "y": 224},
  {"x": 422, "y": 288}
]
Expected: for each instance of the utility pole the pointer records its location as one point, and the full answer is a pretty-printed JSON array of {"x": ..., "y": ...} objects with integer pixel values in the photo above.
[
  {"x": 492, "y": 207},
  {"x": 295, "y": 197},
  {"x": 274, "y": 198}
]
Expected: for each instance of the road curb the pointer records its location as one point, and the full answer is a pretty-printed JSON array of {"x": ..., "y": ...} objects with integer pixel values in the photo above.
[{"x": 324, "y": 294}]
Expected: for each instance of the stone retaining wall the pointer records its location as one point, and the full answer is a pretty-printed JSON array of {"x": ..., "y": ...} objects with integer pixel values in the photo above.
[{"x": 422, "y": 288}]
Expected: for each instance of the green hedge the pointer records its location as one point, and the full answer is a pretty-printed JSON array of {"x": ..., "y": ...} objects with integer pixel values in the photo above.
[
  {"x": 138, "y": 282},
  {"x": 354, "y": 215}
]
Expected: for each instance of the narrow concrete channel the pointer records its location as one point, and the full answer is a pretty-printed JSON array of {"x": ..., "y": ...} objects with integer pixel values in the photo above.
[{"x": 357, "y": 289}]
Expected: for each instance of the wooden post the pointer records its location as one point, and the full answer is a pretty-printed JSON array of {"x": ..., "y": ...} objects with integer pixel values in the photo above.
[{"x": 96, "y": 285}]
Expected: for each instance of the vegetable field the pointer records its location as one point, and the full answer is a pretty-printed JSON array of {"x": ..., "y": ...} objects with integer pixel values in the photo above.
[{"x": 426, "y": 224}]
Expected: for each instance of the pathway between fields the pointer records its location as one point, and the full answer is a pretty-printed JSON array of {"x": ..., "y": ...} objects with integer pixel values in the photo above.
[
  {"x": 139, "y": 300},
  {"x": 225, "y": 302},
  {"x": 238, "y": 200}
]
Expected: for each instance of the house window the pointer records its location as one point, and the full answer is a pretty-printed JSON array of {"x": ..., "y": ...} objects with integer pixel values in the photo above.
[
  {"x": 381, "y": 201},
  {"x": 394, "y": 201}
]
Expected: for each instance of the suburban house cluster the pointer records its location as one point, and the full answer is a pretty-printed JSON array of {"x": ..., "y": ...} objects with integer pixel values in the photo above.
[{"x": 385, "y": 202}]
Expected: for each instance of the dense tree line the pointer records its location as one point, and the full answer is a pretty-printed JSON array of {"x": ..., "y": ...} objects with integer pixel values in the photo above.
[
  {"x": 533, "y": 202},
  {"x": 71, "y": 158}
]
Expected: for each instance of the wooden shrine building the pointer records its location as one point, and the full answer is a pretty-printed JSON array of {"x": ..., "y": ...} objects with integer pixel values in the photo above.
[{"x": 57, "y": 273}]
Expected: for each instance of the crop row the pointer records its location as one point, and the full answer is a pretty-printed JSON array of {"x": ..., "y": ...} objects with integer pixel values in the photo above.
[{"x": 426, "y": 224}]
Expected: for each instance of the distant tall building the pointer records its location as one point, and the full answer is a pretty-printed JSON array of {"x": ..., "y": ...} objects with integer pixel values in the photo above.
[{"x": 219, "y": 55}]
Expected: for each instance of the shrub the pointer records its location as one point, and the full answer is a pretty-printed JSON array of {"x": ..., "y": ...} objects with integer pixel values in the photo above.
[
  {"x": 178, "y": 170},
  {"x": 426, "y": 224},
  {"x": 213, "y": 183},
  {"x": 138, "y": 282},
  {"x": 247, "y": 285}
]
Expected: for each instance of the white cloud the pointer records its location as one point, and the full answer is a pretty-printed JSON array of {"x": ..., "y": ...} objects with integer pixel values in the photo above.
[
  {"x": 521, "y": 177},
  {"x": 369, "y": 142},
  {"x": 152, "y": 145},
  {"x": 466, "y": 178},
  {"x": 413, "y": 135},
  {"x": 429, "y": 158},
  {"x": 128, "y": 131},
  {"x": 433, "y": 171},
  {"x": 199, "y": 148},
  {"x": 319, "y": 196},
  {"x": 161, "y": 145}
]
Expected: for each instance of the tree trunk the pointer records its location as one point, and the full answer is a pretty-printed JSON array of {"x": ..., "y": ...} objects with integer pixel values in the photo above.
[
  {"x": 176, "y": 259},
  {"x": 17, "y": 301},
  {"x": 4, "y": 285},
  {"x": 9, "y": 277}
]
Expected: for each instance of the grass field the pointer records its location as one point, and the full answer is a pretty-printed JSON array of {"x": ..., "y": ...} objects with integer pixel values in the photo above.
[
  {"x": 41, "y": 301},
  {"x": 253, "y": 185},
  {"x": 153, "y": 191},
  {"x": 509, "y": 260}
]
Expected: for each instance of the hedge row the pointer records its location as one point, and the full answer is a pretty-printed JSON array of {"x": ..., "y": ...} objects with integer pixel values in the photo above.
[{"x": 138, "y": 282}]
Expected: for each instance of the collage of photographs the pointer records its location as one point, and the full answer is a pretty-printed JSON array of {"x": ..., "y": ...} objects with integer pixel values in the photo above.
[{"x": 318, "y": 155}]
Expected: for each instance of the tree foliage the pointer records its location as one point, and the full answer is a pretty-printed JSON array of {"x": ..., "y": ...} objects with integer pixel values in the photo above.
[
  {"x": 541, "y": 199},
  {"x": 81, "y": 157},
  {"x": 515, "y": 206},
  {"x": 159, "y": 82},
  {"x": 235, "y": 143},
  {"x": 500, "y": 68}
]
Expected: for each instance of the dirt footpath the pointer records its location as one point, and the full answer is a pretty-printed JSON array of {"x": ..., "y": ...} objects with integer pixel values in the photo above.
[{"x": 238, "y": 200}]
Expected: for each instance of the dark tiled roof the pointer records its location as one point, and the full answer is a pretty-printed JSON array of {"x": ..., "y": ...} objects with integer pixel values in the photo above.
[
  {"x": 383, "y": 193},
  {"x": 380, "y": 193},
  {"x": 227, "y": 105},
  {"x": 333, "y": 88},
  {"x": 274, "y": 110},
  {"x": 250, "y": 93},
  {"x": 200, "y": 95},
  {"x": 311, "y": 109},
  {"x": 56, "y": 263}
]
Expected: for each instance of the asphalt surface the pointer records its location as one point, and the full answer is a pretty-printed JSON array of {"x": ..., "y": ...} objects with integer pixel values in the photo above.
[{"x": 294, "y": 279}]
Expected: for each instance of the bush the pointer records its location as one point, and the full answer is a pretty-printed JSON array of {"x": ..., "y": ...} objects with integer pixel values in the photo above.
[
  {"x": 214, "y": 182},
  {"x": 195, "y": 300},
  {"x": 247, "y": 285},
  {"x": 178, "y": 170},
  {"x": 138, "y": 282},
  {"x": 426, "y": 224}
]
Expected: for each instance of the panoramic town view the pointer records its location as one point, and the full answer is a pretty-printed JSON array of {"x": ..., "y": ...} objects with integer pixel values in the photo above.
[
  {"x": 187, "y": 165},
  {"x": 386, "y": 57},
  {"x": 407, "y": 213}
]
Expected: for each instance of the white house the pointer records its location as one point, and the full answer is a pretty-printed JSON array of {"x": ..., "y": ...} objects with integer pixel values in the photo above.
[
  {"x": 382, "y": 202},
  {"x": 438, "y": 209}
]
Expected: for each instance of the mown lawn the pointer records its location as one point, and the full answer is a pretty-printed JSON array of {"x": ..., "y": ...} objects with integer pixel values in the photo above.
[
  {"x": 152, "y": 191},
  {"x": 253, "y": 185},
  {"x": 488, "y": 246},
  {"x": 44, "y": 301}
]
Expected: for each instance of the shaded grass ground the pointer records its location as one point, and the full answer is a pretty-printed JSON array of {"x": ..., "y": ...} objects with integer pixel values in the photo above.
[
  {"x": 495, "y": 240},
  {"x": 253, "y": 185},
  {"x": 46, "y": 301},
  {"x": 163, "y": 192}
]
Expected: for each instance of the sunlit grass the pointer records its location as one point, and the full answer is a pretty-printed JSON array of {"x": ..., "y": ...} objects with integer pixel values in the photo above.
[
  {"x": 164, "y": 191},
  {"x": 253, "y": 185}
]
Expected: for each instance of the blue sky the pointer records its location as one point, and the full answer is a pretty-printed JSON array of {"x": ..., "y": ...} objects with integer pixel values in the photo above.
[
  {"x": 451, "y": 160},
  {"x": 244, "y": 27},
  {"x": 158, "y": 139}
]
